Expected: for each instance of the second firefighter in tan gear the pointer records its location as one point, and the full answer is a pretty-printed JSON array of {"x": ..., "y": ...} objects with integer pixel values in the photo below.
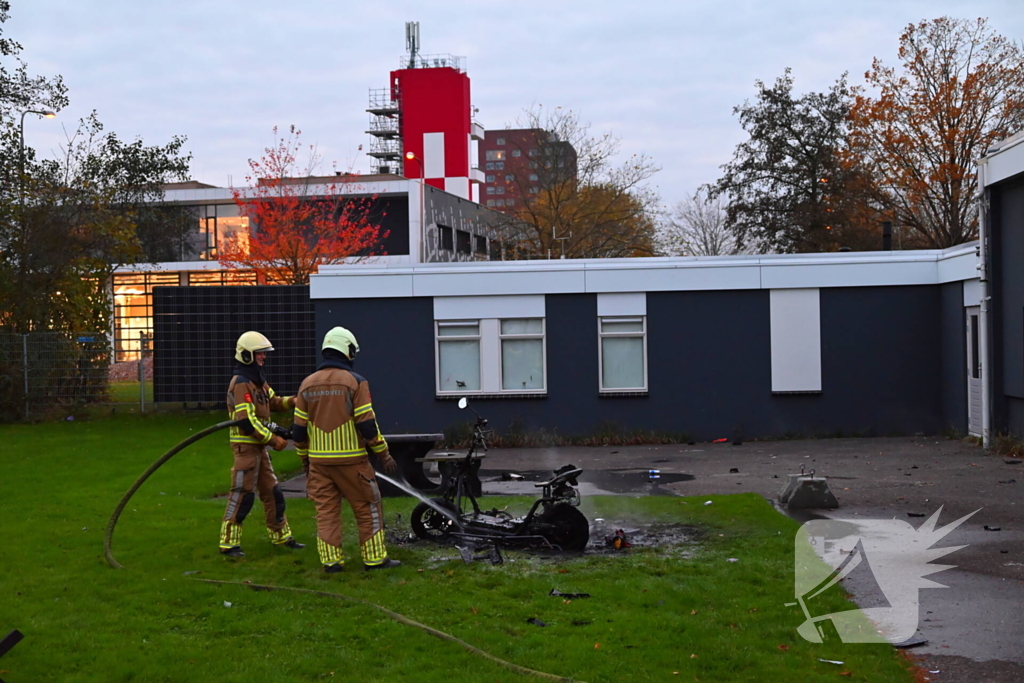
[
  {"x": 250, "y": 397},
  {"x": 334, "y": 427}
]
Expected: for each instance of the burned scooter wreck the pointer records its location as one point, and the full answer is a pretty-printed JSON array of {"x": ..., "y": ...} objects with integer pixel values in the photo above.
[{"x": 553, "y": 522}]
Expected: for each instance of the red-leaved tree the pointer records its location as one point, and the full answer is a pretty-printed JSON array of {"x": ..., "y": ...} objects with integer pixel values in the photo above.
[{"x": 296, "y": 221}]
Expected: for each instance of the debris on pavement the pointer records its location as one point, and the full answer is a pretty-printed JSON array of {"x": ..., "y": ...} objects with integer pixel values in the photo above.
[
  {"x": 511, "y": 476},
  {"x": 555, "y": 593},
  {"x": 734, "y": 470},
  {"x": 536, "y": 622},
  {"x": 913, "y": 642},
  {"x": 993, "y": 528},
  {"x": 707, "y": 502},
  {"x": 1011, "y": 461},
  {"x": 916, "y": 514},
  {"x": 831, "y": 661}
]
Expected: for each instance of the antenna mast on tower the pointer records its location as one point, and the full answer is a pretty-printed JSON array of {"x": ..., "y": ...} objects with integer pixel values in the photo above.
[{"x": 412, "y": 41}]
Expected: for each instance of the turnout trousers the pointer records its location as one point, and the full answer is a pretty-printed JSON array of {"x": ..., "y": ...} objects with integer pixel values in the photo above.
[
  {"x": 356, "y": 482},
  {"x": 252, "y": 474}
]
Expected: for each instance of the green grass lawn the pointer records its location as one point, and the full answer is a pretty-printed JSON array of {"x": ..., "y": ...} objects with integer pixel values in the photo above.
[{"x": 678, "y": 613}]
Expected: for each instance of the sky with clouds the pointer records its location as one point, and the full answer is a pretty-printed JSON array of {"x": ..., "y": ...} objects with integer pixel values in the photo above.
[{"x": 661, "y": 76}]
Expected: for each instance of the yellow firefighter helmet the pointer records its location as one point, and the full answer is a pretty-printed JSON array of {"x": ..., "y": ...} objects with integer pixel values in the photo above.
[
  {"x": 249, "y": 344},
  {"x": 341, "y": 340}
]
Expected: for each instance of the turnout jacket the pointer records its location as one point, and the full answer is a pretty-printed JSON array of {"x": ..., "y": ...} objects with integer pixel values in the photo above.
[
  {"x": 253, "y": 399},
  {"x": 334, "y": 419}
]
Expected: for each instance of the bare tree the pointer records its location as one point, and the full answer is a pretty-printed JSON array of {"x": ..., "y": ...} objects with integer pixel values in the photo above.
[
  {"x": 696, "y": 226},
  {"x": 570, "y": 198}
]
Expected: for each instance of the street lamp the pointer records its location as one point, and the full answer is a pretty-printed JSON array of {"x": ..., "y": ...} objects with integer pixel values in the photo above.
[
  {"x": 45, "y": 113},
  {"x": 411, "y": 156}
]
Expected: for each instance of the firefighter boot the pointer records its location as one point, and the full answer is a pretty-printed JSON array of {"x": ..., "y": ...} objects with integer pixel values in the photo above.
[
  {"x": 334, "y": 568},
  {"x": 386, "y": 564},
  {"x": 293, "y": 544},
  {"x": 234, "y": 551}
]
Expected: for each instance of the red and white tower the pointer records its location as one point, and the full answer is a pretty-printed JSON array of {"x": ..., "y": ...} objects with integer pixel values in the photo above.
[{"x": 427, "y": 111}]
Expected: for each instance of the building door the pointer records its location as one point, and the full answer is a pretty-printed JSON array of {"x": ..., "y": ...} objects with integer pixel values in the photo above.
[{"x": 973, "y": 370}]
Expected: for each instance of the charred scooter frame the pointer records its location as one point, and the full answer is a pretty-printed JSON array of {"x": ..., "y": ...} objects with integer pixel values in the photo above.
[{"x": 552, "y": 522}]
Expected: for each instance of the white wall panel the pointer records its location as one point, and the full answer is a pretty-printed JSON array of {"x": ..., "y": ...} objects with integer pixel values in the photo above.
[
  {"x": 972, "y": 292},
  {"x": 796, "y": 339},
  {"x": 672, "y": 279},
  {"x": 634, "y": 303},
  {"x": 961, "y": 265},
  {"x": 467, "y": 307},
  {"x": 360, "y": 286},
  {"x": 1005, "y": 164},
  {"x": 433, "y": 155},
  {"x": 457, "y": 186},
  {"x": 849, "y": 274},
  {"x": 521, "y": 282}
]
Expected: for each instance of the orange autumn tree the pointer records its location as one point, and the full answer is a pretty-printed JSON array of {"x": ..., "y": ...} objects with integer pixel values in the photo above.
[
  {"x": 918, "y": 130},
  {"x": 297, "y": 221}
]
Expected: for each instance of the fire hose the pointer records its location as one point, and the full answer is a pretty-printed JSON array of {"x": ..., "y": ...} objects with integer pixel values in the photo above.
[
  {"x": 108, "y": 551},
  {"x": 402, "y": 619},
  {"x": 108, "y": 536}
]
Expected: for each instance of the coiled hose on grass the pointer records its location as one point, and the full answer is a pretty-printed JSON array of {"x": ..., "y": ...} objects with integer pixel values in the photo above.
[{"x": 109, "y": 535}]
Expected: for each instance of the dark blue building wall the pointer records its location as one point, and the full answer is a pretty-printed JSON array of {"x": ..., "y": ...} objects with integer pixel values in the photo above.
[
  {"x": 889, "y": 361},
  {"x": 953, "y": 362},
  {"x": 1007, "y": 283}
]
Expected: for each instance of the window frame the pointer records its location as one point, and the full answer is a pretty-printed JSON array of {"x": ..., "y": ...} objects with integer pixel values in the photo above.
[
  {"x": 479, "y": 338},
  {"x": 489, "y": 338},
  {"x": 602, "y": 335},
  {"x": 543, "y": 337}
]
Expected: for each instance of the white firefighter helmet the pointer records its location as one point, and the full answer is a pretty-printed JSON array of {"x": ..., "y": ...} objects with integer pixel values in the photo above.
[
  {"x": 249, "y": 344},
  {"x": 341, "y": 340}
]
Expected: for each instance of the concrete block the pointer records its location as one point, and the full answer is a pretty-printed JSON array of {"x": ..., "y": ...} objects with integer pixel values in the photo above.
[{"x": 812, "y": 493}]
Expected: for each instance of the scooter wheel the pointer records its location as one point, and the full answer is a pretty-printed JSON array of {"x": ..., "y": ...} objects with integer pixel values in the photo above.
[
  {"x": 567, "y": 527},
  {"x": 431, "y": 525}
]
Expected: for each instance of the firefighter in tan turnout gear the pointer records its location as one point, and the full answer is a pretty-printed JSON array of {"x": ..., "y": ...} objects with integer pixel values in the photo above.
[
  {"x": 250, "y": 397},
  {"x": 334, "y": 426}
]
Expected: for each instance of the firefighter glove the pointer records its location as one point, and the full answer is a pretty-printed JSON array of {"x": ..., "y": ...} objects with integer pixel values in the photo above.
[
  {"x": 277, "y": 443},
  {"x": 388, "y": 463}
]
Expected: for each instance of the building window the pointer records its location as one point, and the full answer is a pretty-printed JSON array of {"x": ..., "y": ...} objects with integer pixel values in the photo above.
[
  {"x": 490, "y": 189},
  {"x": 501, "y": 141},
  {"x": 495, "y": 254},
  {"x": 490, "y": 202},
  {"x": 489, "y": 166},
  {"x": 623, "y": 356},
  {"x": 534, "y": 152},
  {"x": 495, "y": 155},
  {"x": 458, "y": 356},
  {"x": 491, "y": 356},
  {"x": 522, "y": 354},
  {"x": 444, "y": 234},
  {"x": 533, "y": 164},
  {"x": 499, "y": 165},
  {"x": 534, "y": 177},
  {"x": 534, "y": 190},
  {"x": 500, "y": 202},
  {"x": 462, "y": 241},
  {"x": 510, "y": 202},
  {"x": 480, "y": 243},
  {"x": 501, "y": 190},
  {"x": 509, "y": 177},
  {"x": 490, "y": 177},
  {"x": 517, "y": 153},
  {"x": 133, "y": 311}
]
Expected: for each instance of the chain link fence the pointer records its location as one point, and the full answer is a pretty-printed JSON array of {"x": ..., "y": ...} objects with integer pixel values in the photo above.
[{"x": 46, "y": 375}]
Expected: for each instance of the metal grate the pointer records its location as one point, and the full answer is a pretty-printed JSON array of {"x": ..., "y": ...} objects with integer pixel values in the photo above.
[{"x": 195, "y": 329}]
